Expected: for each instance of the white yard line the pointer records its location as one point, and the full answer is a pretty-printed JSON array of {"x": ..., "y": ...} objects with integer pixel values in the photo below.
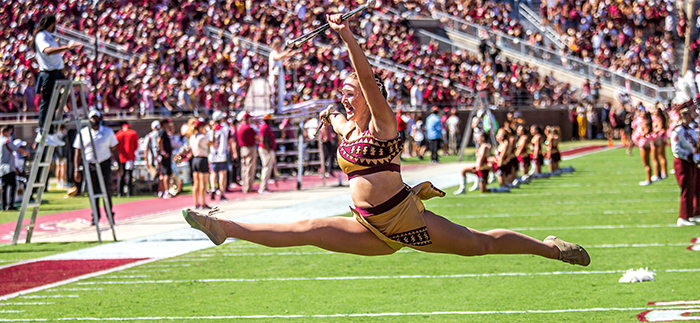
[
  {"x": 342, "y": 315},
  {"x": 49, "y": 296},
  {"x": 341, "y": 278}
]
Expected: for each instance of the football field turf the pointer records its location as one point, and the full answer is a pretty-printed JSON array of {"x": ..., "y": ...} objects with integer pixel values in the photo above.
[{"x": 600, "y": 206}]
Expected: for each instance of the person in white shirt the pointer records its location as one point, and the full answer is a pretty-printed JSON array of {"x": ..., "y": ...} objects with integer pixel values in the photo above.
[
  {"x": 276, "y": 69},
  {"x": 50, "y": 61},
  {"x": 452, "y": 124},
  {"x": 684, "y": 142},
  {"x": 8, "y": 169},
  {"x": 99, "y": 155}
]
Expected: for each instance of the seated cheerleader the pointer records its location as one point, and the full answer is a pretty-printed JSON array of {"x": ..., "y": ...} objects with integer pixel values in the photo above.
[
  {"x": 536, "y": 150},
  {"x": 481, "y": 170},
  {"x": 522, "y": 150}
]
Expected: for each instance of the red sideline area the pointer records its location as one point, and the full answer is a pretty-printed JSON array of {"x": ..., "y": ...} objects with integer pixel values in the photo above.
[
  {"x": 29, "y": 275},
  {"x": 66, "y": 221}
]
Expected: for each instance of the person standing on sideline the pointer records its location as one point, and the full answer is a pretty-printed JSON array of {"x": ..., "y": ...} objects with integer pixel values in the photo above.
[
  {"x": 684, "y": 141},
  {"x": 266, "y": 149},
  {"x": 218, "y": 155},
  {"x": 200, "y": 144},
  {"x": 165, "y": 149},
  {"x": 50, "y": 61},
  {"x": 249, "y": 155},
  {"x": 452, "y": 125},
  {"x": 105, "y": 149},
  {"x": 61, "y": 154},
  {"x": 328, "y": 140},
  {"x": 128, "y": 144},
  {"x": 433, "y": 127},
  {"x": 276, "y": 70},
  {"x": 8, "y": 172},
  {"x": 152, "y": 153}
]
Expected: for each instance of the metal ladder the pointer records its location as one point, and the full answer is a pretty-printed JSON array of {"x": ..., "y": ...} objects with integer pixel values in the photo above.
[{"x": 63, "y": 90}]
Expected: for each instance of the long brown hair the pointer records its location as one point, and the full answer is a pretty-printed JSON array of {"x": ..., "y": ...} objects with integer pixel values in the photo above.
[{"x": 44, "y": 23}]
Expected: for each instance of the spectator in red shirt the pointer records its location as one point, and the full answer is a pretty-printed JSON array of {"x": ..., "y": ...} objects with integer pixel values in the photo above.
[
  {"x": 266, "y": 149},
  {"x": 249, "y": 155},
  {"x": 128, "y": 143}
]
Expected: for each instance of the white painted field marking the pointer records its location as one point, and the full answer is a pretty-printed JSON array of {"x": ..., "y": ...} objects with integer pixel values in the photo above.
[
  {"x": 166, "y": 266},
  {"x": 638, "y": 245},
  {"x": 29, "y": 303},
  {"x": 609, "y": 212},
  {"x": 11, "y": 311},
  {"x": 618, "y": 245},
  {"x": 598, "y": 227},
  {"x": 72, "y": 289},
  {"x": 675, "y": 303},
  {"x": 550, "y": 203},
  {"x": 392, "y": 314},
  {"x": 235, "y": 280},
  {"x": 123, "y": 276},
  {"x": 50, "y": 296},
  {"x": 674, "y": 315}
]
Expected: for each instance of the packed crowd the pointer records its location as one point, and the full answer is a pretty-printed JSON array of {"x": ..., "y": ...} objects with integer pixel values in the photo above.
[
  {"x": 630, "y": 37},
  {"x": 175, "y": 69}
]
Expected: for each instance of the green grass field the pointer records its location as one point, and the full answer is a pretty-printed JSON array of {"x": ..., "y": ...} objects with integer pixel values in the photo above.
[{"x": 600, "y": 206}]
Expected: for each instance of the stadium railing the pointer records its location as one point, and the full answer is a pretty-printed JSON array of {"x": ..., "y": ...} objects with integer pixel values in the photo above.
[
  {"x": 536, "y": 21},
  {"x": 552, "y": 59},
  {"x": 88, "y": 42}
]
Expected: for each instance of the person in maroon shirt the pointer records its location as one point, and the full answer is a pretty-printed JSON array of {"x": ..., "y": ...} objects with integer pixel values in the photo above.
[
  {"x": 128, "y": 143},
  {"x": 266, "y": 149},
  {"x": 249, "y": 155}
]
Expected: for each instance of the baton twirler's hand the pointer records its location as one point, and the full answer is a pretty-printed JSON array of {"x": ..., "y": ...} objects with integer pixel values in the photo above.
[
  {"x": 325, "y": 115},
  {"x": 335, "y": 21}
]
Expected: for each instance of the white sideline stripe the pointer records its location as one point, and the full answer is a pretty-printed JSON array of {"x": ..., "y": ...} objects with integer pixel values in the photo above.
[
  {"x": 598, "y": 227},
  {"x": 124, "y": 276},
  {"x": 29, "y": 303},
  {"x": 638, "y": 245},
  {"x": 166, "y": 266},
  {"x": 508, "y": 215},
  {"x": 74, "y": 279},
  {"x": 72, "y": 289},
  {"x": 394, "y": 314},
  {"x": 619, "y": 245},
  {"x": 233, "y": 280},
  {"x": 11, "y": 311},
  {"x": 50, "y": 296}
]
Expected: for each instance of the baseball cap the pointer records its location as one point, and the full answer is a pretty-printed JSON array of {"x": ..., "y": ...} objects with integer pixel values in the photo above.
[
  {"x": 155, "y": 124},
  {"x": 218, "y": 115},
  {"x": 94, "y": 113},
  {"x": 19, "y": 142}
]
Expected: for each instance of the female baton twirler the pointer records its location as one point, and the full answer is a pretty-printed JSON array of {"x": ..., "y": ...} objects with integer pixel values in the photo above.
[{"x": 388, "y": 214}]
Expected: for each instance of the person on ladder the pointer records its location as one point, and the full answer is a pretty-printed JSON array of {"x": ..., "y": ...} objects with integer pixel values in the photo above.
[
  {"x": 105, "y": 150},
  {"x": 50, "y": 60}
]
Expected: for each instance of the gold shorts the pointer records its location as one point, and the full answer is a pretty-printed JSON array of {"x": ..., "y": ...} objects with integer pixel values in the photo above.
[{"x": 401, "y": 223}]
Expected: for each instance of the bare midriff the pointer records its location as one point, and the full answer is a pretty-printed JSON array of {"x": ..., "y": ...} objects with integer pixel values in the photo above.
[{"x": 373, "y": 189}]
